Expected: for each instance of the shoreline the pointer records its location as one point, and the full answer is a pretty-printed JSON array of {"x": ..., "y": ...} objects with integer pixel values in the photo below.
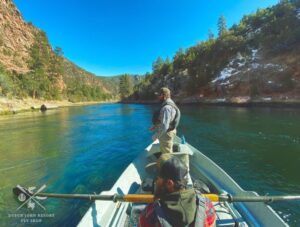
[
  {"x": 10, "y": 106},
  {"x": 13, "y": 106},
  {"x": 294, "y": 103}
]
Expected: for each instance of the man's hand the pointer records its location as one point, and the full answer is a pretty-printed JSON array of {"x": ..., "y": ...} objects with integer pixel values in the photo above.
[{"x": 154, "y": 137}]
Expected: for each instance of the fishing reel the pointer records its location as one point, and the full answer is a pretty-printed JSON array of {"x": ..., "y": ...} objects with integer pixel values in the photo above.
[{"x": 148, "y": 185}]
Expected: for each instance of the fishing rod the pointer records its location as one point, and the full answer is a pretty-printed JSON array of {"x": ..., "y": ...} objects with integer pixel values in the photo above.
[{"x": 24, "y": 194}]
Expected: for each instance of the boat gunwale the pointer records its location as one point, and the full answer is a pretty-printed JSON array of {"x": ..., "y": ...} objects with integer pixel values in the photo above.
[{"x": 247, "y": 209}]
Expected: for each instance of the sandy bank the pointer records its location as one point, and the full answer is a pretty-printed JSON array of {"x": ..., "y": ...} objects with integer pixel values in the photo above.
[{"x": 13, "y": 105}]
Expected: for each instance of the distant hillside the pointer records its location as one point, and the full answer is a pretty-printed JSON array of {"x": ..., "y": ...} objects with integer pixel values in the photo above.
[
  {"x": 255, "y": 60},
  {"x": 111, "y": 82},
  {"x": 30, "y": 67},
  {"x": 114, "y": 82}
]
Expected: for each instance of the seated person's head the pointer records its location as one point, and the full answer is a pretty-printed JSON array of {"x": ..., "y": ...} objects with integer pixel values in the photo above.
[{"x": 172, "y": 175}]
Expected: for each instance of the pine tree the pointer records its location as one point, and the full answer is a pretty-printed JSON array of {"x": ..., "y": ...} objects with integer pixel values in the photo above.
[
  {"x": 179, "y": 60},
  {"x": 222, "y": 27},
  {"x": 157, "y": 65},
  {"x": 55, "y": 71},
  {"x": 125, "y": 86},
  {"x": 166, "y": 67},
  {"x": 211, "y": 35},
  {"x": 37, "y": 81}
]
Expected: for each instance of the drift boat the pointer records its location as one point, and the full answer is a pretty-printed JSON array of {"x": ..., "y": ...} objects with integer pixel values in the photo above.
[{"x": 203, "y": 173}]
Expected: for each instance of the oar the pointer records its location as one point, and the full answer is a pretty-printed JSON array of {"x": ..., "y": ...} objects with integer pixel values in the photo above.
[
  {"x": 135, "y": 198},
  {"x": 148, "y": 198},
  {"x": 267, "y": 199}
]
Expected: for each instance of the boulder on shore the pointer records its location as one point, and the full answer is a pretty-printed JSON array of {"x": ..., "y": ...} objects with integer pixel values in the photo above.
[{"x": 43, "y": 107}]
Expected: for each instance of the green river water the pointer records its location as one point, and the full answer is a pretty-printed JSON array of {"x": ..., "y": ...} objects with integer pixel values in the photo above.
[{"x": 85, "y": 149}]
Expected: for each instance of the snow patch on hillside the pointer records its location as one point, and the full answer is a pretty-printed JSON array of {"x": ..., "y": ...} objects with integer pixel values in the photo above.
[
  {"x": 225, "y": 83},
  {"x": 298, "y": 13},
  {"x": 232, "y": 68},
  {"x": 254, "y": 58},
  {"x": 226, "y": 73},
  {"x": 240, "y": 64},
  {"x": 255, "y": 65},
  {"x": 254, "y": 54},
  {"x": 257, "y": 31},
  {"x": 266, "y": 98},
  {"x": 273, "y": 66}
]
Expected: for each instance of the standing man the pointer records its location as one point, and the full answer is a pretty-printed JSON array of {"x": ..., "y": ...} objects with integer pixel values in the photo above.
[{"x": 166, "y": 121}]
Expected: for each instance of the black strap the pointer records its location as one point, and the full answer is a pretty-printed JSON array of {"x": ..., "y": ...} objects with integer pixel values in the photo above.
[
  {"x": 160, "y": 214},
  {"x": 200, "y": 212}
]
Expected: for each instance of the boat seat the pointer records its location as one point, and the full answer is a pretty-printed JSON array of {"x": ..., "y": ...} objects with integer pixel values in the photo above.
[
  {"x": 178, "y": 149},
  {"x": 182, "y": 151}
]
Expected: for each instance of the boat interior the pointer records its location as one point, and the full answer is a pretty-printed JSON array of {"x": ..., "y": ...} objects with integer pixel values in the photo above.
[{"x": 204, "y": 175}]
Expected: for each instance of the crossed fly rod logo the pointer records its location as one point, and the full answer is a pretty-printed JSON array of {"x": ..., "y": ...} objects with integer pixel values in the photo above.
[{"x": 29, "y": 197}]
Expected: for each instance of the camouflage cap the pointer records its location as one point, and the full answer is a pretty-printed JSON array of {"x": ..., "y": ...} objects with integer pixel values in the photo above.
[{"x": 170, "y": 167}]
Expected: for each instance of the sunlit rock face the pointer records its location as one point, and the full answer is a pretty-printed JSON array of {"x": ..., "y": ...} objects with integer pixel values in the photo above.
[{"x": 16, "y": 37}]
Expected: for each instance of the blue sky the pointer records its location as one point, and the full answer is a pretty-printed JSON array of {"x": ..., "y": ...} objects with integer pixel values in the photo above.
[{"x": 110, "y": 37}]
